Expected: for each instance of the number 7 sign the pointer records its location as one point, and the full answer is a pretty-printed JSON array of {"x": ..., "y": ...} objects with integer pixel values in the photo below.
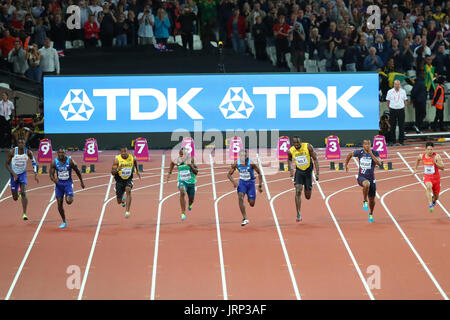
[{"x": 141, "y": 149}]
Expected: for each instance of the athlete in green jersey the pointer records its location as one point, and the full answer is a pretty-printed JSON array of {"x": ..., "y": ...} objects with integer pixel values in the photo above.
[{"x": 187, "y": 171}]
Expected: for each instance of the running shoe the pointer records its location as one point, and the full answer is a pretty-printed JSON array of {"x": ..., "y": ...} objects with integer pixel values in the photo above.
[
  {"x": 24, "y": 217},
  {"x": 183, "y": 216},
  {"x": 431, "y": 208},
  {"x": 299, "y": 217},
  {"x": 127, "y": 214},
  {"x": 434, "y": 203},
  {"x": 63, "y": 225},
  {"x": 365, "y": 206},
  {"x": 244, "y": 222},
  {"x": 124, "y": 201},
  {"x": 370, "y": 217},
  {"x": 190, "y": 207}
]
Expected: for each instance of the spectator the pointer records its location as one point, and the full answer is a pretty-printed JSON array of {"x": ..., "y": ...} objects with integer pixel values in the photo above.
[
  {"x": 208, "y": 19},
  {"x": 259, "y": 33},
  {"x": 91, "y": 32},
  {"x": 225, "y": 13},
  {"x": 372, "y": 62},
  {"x": 40, "y": 31},
  {"x": 298, "y": 47},
  {"x": 236, "y": 32},
  {"x": 132, "y": 24},
  {"x": 162, "y": 26},
  {"x": 395, "y": 53},
  {"x": 419, "y": 100},
  {"x": 381, "y": 48},
  {"x": 146, "y": 22},
  {"x": 438, "y": 41},
  {"x": 28, "y": 24},
  {"x": 350, "y": 58},
  {"x": 255, "y": 13},
  {"x": 38, "y": 9},
  {"x": 331, "y": 59},
  {"x": 20, "y": 132},
  {"x": 38, "y": 127},
  {"x": 280, "y": 31},
  {"x": 406, "y": 57},
  {"x": 439, "y": 103},
  {"x": 95, "y": 9},
  {"x": 430, "y": 75},
  {"x": 121, "y": 31},
  {"x": 107, "y": 22},
  {"x": 362, "y": 53},
  {"x": 385, "y": 126},
  {"x": 34, "y": 71},
  {"x": 186, "y": 20},
  {"x": 49, "y": 59},
  {"x": 438, "y": 16},
  {"x": 314, "y": 45},
  {"x": 17, "y": 56},
  {"x": 396, "y": 101},
  {"x": 426, "y": 50},
  {"x": 7, "y": 43},
  {"x": 417, "y": 42},
  {"x": 6, "y": 112},
  {"x": 270, "y": 21},
  {"x": 439, "y": 61},
  {"x": 58, "y": 33}
]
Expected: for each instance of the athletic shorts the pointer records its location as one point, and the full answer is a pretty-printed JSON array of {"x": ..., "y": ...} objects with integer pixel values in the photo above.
[
  {"x": 64, "y": 188},
  {"x": 21, "y": 179},
  {"x": 121, "y": 185},
  {"x": 188, "y": 187},
  {"x": 435, "y": 182},
  {"x": 247, "y": 188},
  {"x": 303, "y": 178},
  {"x": 372, "y": 188}
]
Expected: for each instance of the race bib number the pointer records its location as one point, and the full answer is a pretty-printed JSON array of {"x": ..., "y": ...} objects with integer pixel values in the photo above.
[
  {"x": 185, "y": 175},
  {"x": 301, "y": 160},
  {"x": 429, "y": 169},
  {"x": 63, "y": 175},
  {"x": 126, "y": 172},
  {"x": 365, "y": 163},
  {"x": 245, "y": 175}
]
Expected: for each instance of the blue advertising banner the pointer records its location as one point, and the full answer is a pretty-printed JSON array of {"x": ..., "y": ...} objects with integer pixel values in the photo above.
[{"x": 164, "y": 103}]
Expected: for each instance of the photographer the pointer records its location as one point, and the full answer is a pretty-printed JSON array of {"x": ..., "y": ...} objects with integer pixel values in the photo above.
[
  {"x": 34, "y": 71},
  {"x": 146, "y": 22},
  {"x": 186, "y": 20},
  {"x": 385, "y": 126},
  {"x": 298, "y": 47},
  {"x": 17, "y": 56},
  {"x": 6, "y": 112}
]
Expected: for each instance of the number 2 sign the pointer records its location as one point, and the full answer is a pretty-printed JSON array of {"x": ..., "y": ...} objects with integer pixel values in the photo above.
[
  {"x": 45, "y": 153},
  {"x": 379, "y": 144},
  {"x": 90, "y": 153}
]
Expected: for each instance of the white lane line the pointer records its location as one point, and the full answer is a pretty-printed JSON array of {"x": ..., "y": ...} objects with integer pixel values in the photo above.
[
  {"x": 447, "y": 154},
  {"x": 4, "y": 188},
  {"x": 409, "y": 243},
  {"x": 421, "y": 182},
  {"x": 211, "y": 161},
  {"x": 263, "y": 176},
  {"x": 162, "y": 176}
]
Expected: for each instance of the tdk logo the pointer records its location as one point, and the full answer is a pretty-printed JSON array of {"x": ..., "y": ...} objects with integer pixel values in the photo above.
[{"x": 236, "y": 103}]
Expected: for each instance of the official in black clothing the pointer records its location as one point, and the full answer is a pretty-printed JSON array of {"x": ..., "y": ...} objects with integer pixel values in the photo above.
[{"x": 419, "y": 100}]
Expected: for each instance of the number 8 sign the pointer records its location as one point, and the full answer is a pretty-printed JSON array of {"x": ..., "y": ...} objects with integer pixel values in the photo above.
[
  {"x": 90, "y": 153},
  {"x": 45, "y": 153}
]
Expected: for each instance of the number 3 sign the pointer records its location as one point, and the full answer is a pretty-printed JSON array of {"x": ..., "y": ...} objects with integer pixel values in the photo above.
[
  {"x": 90, "y": 153},
  {"x": 333, "y": 150}
]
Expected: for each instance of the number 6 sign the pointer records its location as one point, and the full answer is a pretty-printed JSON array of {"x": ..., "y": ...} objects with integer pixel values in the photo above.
[
  {"x": 90, "y": 153},
  {"x": 141, "y": 149},
  {"x": 379, "y": 144},
  {"x": 45, "y": 153}
]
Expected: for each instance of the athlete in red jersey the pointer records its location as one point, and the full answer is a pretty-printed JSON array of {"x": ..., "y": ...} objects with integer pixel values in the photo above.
[{"x": 432, "y": 163}]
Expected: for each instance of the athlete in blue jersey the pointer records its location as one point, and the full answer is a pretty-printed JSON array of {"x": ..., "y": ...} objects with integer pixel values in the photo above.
[
  {"x": 368, "y": 159},
  {"x": 16, "y": 164},
  {"x": 246, "y": 184},
  {"x": 63, "y": 166}
]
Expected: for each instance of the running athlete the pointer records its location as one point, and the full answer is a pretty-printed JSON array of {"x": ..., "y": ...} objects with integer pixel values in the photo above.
[
  {"x": 301, "y": 153},
  {"x": 368, "y": 158},
  {"x": 16, "y": 164},
  {"x": 122, "y": 169},
  {"x": 63, "y": 166},
  {"x": 187, "y": 171},
  {"x": 432, "y": 163},
  {"x": 246, "y": 184}
]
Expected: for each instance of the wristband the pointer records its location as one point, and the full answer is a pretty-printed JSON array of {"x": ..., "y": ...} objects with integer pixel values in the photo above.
[{"x": 33, "y": 162}]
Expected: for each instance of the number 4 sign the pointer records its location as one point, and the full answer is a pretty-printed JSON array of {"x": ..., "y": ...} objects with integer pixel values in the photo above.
[
  {"x": 141, "y": 149},
  {"x": 283, "y": 147},
  {"x": 90, "y": 153},
  {"x": 45, "y": 153},
  {"x": 379, "y": 144}
]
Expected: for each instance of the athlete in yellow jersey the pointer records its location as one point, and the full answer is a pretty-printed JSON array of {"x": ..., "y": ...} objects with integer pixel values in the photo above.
[
  {"x": 122, "y": 169},
  {"x": 301, "y": 154}
]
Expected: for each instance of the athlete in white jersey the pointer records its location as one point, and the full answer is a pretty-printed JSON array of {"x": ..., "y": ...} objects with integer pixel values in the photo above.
[{"x": 16, "y": 164}]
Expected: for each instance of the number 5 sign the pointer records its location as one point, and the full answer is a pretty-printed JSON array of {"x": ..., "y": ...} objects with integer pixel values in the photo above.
[
  {"x": 90, "y": 153},
  {"x": 379, "y": 144},
  {"x": 141, "y": 149},
  {"x": 45, "y": 153},
  {"x": 188, "y": 145},
  {"x": 235, "y": 148}
]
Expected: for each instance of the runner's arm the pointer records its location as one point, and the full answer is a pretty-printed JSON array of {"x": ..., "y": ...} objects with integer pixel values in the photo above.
[
  {"x": 8, "y": 163},
  {"x": 137, "y": 169},
  {"x": 51, "y": 172},
  {"x": 419, "y": 158},
  {"x": 439, "y": 162},
  {"x": 193, "y": 166},
  {"x": 375, "y": 158},
  {"x": 172, "y": 165},
  {"x": 230, "y": 173},
  {"x": 347, "y": 160},
  {"x": 74, "y": 166},
  {"x": 33, "y": 162},
  {"x": 256, "y": 168},
  {"x": 315, "y": 159},
  {"x": 115, "y": 167},
  {"x": 290, "y": 163}
]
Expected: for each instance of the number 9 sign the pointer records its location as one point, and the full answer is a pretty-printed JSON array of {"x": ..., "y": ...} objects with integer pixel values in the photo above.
[
  {"x": 45, "y": 153},
  {"x": 90, "y": 153}
]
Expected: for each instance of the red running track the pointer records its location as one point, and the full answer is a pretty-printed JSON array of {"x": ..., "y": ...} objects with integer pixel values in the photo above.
[{"x": 155, "y": 255}]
